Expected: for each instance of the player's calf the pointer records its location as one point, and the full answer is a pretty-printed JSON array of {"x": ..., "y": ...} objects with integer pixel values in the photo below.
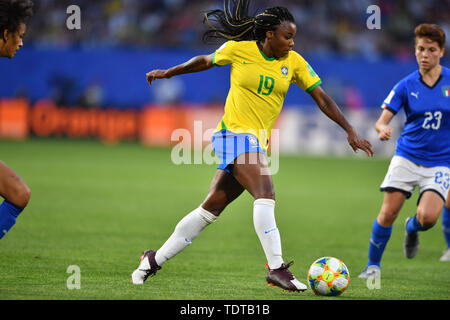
[
  {"x": 17, "y": 195},
  {"x": 12, "y": 187}
]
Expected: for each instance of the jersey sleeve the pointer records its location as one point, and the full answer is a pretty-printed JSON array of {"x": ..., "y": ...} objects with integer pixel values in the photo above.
[
  {"x": 396, "y": 98},
  {"x": 304, "y": 76},
  {"x": 225, "y": 54}
]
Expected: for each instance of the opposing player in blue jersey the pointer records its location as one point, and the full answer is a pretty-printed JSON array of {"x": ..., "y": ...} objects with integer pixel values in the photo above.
[
  {"x": 422, "y": 155},
  {"x": 446, "y": 228},
  {"x": 13, "y": 14}
]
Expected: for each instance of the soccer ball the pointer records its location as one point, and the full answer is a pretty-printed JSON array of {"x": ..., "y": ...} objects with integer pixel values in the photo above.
[{"x": 328, "y": 276}]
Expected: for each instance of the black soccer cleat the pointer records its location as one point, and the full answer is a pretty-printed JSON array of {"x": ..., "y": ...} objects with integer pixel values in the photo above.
[
  {"x": 147, "y": 267},
  {"x": 411, "y": 243},
  {"x": 284, "y": 279}
]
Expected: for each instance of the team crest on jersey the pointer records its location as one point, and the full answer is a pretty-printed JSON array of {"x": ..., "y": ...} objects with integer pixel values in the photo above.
[
  {"x": 284, "y": 71},
  {"x": 446, "y": 91}
]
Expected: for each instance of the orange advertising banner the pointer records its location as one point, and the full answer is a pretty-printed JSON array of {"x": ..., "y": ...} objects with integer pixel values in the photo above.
[
  {"x": 154, "y": 125},
  {"x": 14, "y": 122}
]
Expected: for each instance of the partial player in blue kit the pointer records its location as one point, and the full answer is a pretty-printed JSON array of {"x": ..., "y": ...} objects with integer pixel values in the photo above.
[
  {"x": 422, "y": 155},
  {"x": 13, "y": 14},
  {"x": 446, "y": 229}
]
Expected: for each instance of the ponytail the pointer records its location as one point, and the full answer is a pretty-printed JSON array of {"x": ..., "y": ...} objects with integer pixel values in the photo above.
[{"x": 237, "y": 24}]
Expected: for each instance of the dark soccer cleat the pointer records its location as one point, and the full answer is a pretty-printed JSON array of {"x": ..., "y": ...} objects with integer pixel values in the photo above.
[
  {"x": 147, "y": 267},
  {"x": 284, "y": 279},
  {"x": 411, "y": 243}
]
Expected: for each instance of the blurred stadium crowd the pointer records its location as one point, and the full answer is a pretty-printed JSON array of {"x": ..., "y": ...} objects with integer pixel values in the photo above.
[
  {"x": 324, "y": 27},
  {"x": 102, "y": 90}
]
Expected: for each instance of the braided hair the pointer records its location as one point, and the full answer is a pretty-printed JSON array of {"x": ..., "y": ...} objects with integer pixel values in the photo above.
[
  {"x": 236, "y": 23},
  {"x": 13, "y": 13}
]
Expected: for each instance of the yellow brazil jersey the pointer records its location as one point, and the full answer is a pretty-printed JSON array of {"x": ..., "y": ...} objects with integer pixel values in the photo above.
[{"x": 258, "y": 86}]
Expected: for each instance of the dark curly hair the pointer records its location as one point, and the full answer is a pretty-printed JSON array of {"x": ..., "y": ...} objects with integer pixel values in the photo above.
[
  {"x": 236, "y": 23},
  {"x": 13, "y": 13}
]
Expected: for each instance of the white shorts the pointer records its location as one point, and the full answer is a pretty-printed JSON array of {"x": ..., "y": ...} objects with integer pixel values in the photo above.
[{"x": 404, "y": 175}]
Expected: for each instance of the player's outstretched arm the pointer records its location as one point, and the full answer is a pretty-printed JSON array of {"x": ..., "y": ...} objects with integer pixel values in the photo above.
[
  {"x": 196, "y": 64},
  {"x": 384, "y": 131},
  {"x": 330, "y": 108}
]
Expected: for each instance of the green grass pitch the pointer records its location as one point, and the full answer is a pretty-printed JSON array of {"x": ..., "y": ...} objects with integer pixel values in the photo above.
[{"x": 98, "y": 207}]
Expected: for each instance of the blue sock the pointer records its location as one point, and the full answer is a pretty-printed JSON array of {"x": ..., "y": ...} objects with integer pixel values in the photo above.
[
  {"x": 414, "y": 225},
  {"x": 446, "y": 225},
  {"x": 378, "y": 241},
  {"x": 8, "y": 215}
]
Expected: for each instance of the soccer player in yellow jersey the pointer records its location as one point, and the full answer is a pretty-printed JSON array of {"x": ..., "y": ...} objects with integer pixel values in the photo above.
[
  {"x": 263, "y": 66},
  {"x": 13, "y": 189}
]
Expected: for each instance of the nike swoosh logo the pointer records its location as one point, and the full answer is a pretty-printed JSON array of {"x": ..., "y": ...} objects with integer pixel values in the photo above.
[
  {"x": 245, "y": 62},
  {"x": 268, "y": 231}
]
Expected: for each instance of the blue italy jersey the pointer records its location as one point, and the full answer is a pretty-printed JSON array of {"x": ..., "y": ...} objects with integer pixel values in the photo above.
[{"x": 425, "y": 138}]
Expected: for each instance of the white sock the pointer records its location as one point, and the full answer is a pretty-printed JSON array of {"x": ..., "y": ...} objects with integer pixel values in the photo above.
[
  {"x": 185, "y": 232},
  {"x": 267, "y": 231}
]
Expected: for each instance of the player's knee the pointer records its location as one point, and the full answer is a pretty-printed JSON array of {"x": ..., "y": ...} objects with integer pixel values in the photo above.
[
  {"x": 27, "y": 195},
  {"x": 387, "y": 217},
  {"x": 427, "y": 224},
  {"x": 427, "y": 221},
  {"x": 22, "y": 195}
]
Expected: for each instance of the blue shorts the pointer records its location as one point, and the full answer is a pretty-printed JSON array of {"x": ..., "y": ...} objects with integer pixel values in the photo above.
[{"x": 228, "y": 146}]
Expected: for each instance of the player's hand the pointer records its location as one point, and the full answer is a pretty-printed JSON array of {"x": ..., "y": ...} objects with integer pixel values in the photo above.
[
  {"x": 356, "y": 142},
  {"x": 384, "y": 132},
  {"x": 156, "y": 74}
]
